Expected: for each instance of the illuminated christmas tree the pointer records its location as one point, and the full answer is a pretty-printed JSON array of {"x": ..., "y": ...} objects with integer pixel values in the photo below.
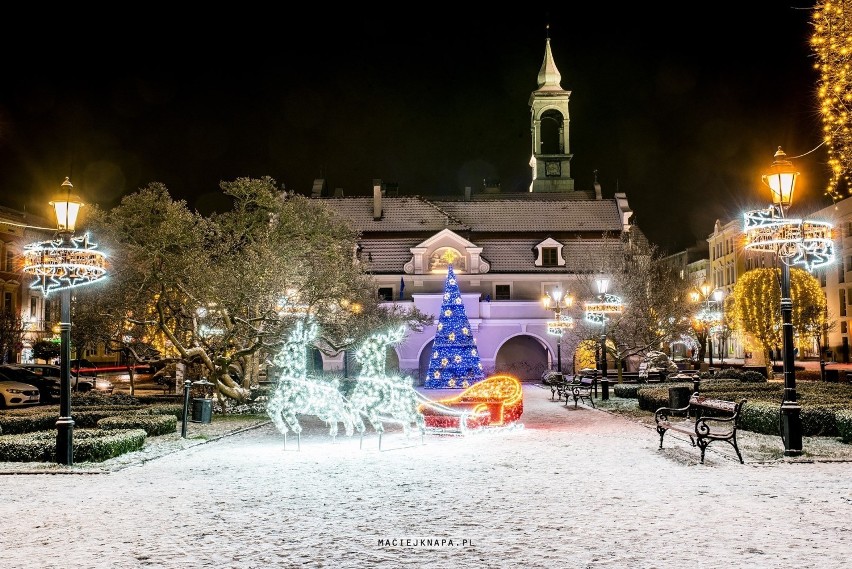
[{"x": 455, "y": 360}]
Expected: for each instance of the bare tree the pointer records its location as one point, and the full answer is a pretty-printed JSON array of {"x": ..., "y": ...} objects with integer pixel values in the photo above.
[
  {"x": 11, "y": 335},
  {"x": 655, "y": 308}
]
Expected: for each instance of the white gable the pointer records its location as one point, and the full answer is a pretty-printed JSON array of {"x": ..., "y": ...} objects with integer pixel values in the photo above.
[{"x": 443, "y": 248}]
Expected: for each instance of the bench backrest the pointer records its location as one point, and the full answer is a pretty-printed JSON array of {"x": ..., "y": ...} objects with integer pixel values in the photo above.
[
  {"x": 730, "y": 407},
  {"x": 587, "y": 380}
]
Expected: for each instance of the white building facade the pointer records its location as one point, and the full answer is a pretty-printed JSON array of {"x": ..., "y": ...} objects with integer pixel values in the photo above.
[{"x": 510, "y": 249}]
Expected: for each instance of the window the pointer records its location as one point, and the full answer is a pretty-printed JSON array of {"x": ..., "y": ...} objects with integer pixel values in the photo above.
[
  {"x": 841, "y": 271},
  {"x": 842, "y": 293},
  {"x": 822, "y": 279},
  {"x": 549, "y": 257},
  {"x": 8, "y": 304},
  {"x": 34, "y": 308},
  {"x": 502, "y": 292},
  {"x": 442, "y": 257},
  {"x": 844, "y": 327},
  {"x": 10, "y": 261},
  {"x": 385, "y": 293}
]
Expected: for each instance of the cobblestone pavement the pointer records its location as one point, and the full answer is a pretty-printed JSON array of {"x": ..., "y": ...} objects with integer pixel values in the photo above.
[{"x": 567, "y": 488}]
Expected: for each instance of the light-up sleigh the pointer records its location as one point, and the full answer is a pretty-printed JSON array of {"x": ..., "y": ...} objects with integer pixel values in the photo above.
[{"x": 495, "y": 402}]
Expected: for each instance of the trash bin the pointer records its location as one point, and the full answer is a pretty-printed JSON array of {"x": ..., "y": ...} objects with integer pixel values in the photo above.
[
  {"x": 202, "y": 410},
  {"x": 679, "y": 397}
]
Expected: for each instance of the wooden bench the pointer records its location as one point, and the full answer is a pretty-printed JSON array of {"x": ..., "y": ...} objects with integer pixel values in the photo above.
[
  {"x": 583, "y": 389},
  {"x": 714, "y": 420},
  {"x": 559, "y": 386}
]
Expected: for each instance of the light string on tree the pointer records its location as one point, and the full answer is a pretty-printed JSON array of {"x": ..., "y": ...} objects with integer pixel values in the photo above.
[
  {"x": 831, "y": 42},
  {"x": 455, "y": 359}
]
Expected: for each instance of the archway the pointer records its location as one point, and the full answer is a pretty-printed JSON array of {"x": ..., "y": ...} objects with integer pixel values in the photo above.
[
  {"x": 423, "y": 362},
  {"x": 587, "y": 352},
  {"x": 551, "y": 132},
  {"x": 524, "y": 357}
]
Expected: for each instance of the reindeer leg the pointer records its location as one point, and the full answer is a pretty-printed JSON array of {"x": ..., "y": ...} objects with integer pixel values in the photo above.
[{"x": 293, "y": 423}]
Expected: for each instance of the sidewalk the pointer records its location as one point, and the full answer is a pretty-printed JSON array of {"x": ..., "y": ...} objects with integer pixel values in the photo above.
[{"x": 581, "y": 487}]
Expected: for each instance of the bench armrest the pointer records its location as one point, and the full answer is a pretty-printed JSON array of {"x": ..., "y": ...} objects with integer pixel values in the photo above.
[{"x": 663, "y": 413}]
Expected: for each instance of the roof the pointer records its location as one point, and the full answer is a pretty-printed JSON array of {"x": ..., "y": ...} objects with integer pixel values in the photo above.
[{"x": 416, "y": 214}]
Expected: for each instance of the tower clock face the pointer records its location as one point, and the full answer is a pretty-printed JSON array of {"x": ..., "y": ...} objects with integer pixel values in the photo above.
[{"x": 552, "y": 169}]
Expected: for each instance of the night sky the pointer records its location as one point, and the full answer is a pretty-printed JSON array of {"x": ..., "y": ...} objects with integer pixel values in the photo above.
[{"x": 680, "y": 111}]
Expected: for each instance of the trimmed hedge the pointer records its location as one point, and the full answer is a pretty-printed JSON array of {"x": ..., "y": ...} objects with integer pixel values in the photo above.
[
  {"x": 90, "y": 445},
  {"x": 627, "y": 390},
  {"x": 153, "y": 425},
  {"x": 843, "y": 419},
  {"x": 11, "y": 424},
  {"x": 44, "y": 418}
]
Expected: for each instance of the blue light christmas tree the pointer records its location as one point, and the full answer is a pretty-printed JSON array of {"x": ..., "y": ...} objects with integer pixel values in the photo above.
[{"x": 455, "y": 360}]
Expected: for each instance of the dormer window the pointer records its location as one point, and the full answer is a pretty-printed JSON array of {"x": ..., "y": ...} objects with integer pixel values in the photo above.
[
  {"x": 442, "y": 257},
  {"x": 549, "y": 257},
  {"x": 549, "y": 254},
  {"x": 436, "y": 253}
]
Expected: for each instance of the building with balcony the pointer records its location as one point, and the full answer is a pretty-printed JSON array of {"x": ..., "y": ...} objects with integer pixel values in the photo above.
[{"x": 508, "y": 249}]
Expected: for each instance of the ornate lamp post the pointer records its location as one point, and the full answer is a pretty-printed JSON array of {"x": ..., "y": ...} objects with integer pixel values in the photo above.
[
  {"x": 60, "y": 265},
  {"x": 556, "y": 302},
  {"x": 596, "y": 313},
  {"x": 793, "y": 241}
]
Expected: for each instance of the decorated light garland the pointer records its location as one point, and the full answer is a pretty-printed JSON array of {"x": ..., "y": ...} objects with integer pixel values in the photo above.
[
  {"x": 62, "y": 264},
  {"x": 596, "y": 311},
  {"x": 795, "y": 241}
]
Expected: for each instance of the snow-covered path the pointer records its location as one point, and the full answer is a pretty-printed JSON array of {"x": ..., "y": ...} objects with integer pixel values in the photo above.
[{"x": 572, "y": 488}]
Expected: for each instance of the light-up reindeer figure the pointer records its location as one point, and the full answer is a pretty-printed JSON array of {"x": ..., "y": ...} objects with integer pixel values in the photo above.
[
  {"x": 379, "y": 396},
  {"x": 297, "y": 394}
]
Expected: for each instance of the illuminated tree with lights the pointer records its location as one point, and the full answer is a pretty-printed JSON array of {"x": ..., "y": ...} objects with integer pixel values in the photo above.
[
  {"x": 832, "y": 44},
  {"x": 455, "y": 358},
  {"x": 755, "y": 307}
]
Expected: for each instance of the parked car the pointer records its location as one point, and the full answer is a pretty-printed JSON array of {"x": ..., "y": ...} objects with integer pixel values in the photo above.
[
  {"x": 84, "y": 367},
  {"x": 48, "y": 387},
  {"x": 81, "y": 383},
  {"x": 16, "y": 394}
]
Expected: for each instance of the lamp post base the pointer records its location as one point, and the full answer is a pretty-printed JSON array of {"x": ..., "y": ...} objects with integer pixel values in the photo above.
[
  {"x": 65, "y": 441},
  {"x": 791, "y": 428}
]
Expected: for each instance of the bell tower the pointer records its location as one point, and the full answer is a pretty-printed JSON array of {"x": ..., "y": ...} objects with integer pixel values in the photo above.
[{"x": 551, "y": 158}]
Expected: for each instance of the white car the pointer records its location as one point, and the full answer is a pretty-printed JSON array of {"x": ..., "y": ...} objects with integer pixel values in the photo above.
[{"x": 17, "y": 394}]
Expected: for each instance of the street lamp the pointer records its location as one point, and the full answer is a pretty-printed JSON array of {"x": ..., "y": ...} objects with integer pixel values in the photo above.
[
  {"x": 556, "y": 302},
  {"x": 793, "y": 241},
  {"x": 62, "y": 264},
  {"x": 596, "y": 313},
  {"x": 603, "y": 288},
  {"x": 66, "y": 210}
]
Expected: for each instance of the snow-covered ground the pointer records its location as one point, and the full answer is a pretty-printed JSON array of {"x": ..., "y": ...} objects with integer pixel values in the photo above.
[{"x": 571, "y": 488}]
